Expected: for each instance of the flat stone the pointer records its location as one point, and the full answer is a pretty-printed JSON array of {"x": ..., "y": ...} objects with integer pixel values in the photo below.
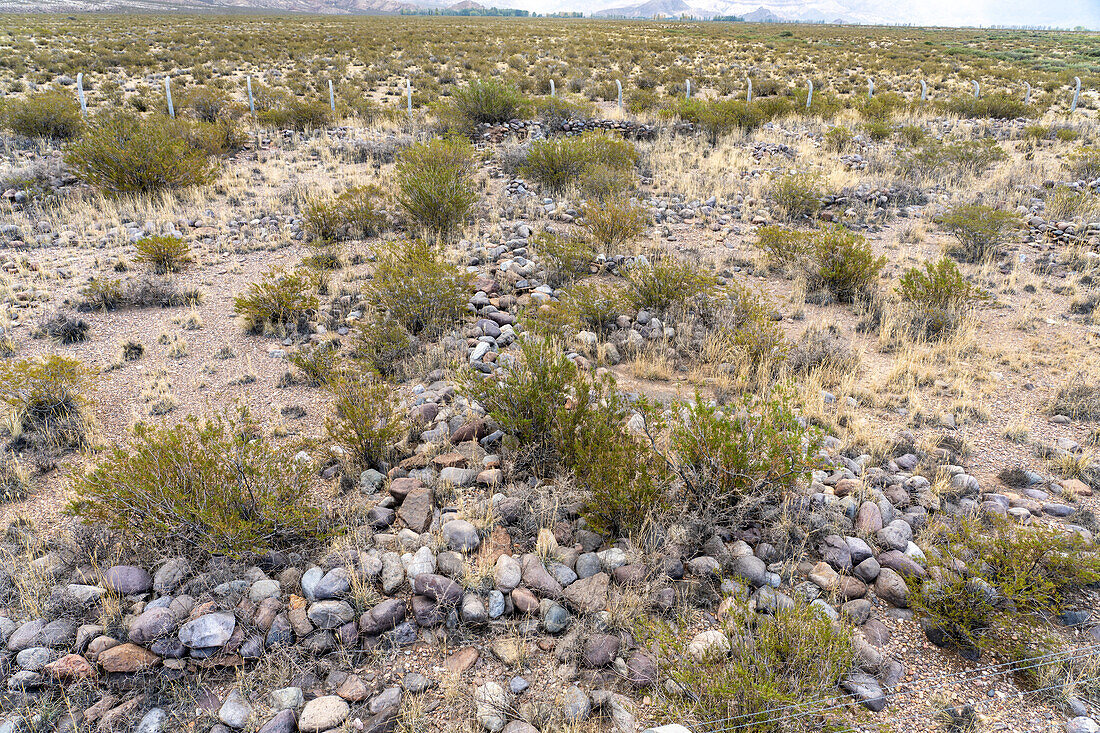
[
  {"x": 127, "y": 580},
  {"x": 322, "y": 714},
  {"x": 209, "y": 630},
  {"x": 127, "y": 658}
]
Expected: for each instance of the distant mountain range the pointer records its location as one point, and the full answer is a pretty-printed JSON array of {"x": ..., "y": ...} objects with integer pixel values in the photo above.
[{"x": 1056, "y": 13}]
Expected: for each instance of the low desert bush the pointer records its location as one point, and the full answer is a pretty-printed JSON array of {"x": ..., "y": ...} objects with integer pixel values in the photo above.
[
  {"x": 832, "y": 258},
  {"x": 51, "y": 114},
  {"x": 840, "y": 139},
  {"x": 418, "y": 288},
  {"x": 667, "y": 282},
  {"x": 64, "y": 328},
  {"x": 126, "y": 153},
  {"x": 823, "y": 349},
  {"x": 435, "y": 187},
  {"x": 383, "y": 343},
  {"x": 796, "y": 196},
  {"x": 351, "y": 214},
  {"x": 951, "y": 159},
  {"x": 294, "y": 113},
  {"x": 597, "y": 164},
  {"x": 613, "y": 224},
  {"x": 222, "y": 137},
  {"x": 149, "y": 291},
  {"x": 1066, "y": 204},
  {"x": 939, "y": 297},
  {"x": 793, "y": 658},
  {"x": 47, "y": 403},
  {"x": 990, "y": 106},
  {"x": 207, "y": 104},
  {"x": 318, "y": 363},
  {"x": 566, "y": 256},
  {"x": 980, "y": 231},
  {"x": 213, "y": 487},
  {"x": 1077, "y": 398},
  {"x": 584, "y": 306},
  {"x": 721, "y": 117},
  {"x": 365, "y": 422},
  {"x": 486, "y": 101},
  {"x": 164, "y": 254},
  {"x": 992, "y": 580},
  {"x": 278, "y": 302}
]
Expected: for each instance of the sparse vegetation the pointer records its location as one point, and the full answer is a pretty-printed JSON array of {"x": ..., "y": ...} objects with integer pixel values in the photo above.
[
  {"x": 418, "y": 288},
  {"x": 51, "y": 114},
  {"x": 279, "y": 302},
  {"x": 163, "y": 254},
  {"x": 47, "y": 400},
  {"x": 980, "y": 231},
  {"x": 434, "y": 185}
]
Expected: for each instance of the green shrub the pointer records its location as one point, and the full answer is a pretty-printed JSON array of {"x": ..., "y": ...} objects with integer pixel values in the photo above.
[
  {"x": 383, "y": 343},
  {"x": 207, "y": 104},
  {"x": 938, "y": 297},
  {"x": 979, "y": 231},
  {"x": 435, "y": 189},
  {"x": 832, "y": 258},
  {"x": 721, "y": 117},
  {"x": 352, "y": 214},
  {"x": 822, "y": 349},
  {"x": 839, "y": 139},
  {"x": 796, "y": 196},
  {"x": 487, "y": 101},
  {"x": 590, "y": 306},
  {"x": 667, "y": 282},
  {"x": 418, "y": 288},
  {"x": 566, "y": 257},
  {"x": 215, "y": 487},
  {"x": 318, "y": 363},
  {"x": 222, "y": 137},
  {"x": 560, "y": 418},
  {"x": 934, "y": 157},
  {"x": 991, "y": 106},
  {"x": 277, "y": 302},
  {"x": 733, "y": 460},
  {"x": 46, "y": 401},
  {"x": 101, "y": 294},
  {"x": 613, "y": 224},
  {"x": 164, "y": 254},
  {"x": 365, "y": 422},
  {"x": 553, "y": 111},
  {"x": 52, "y": 114},
  {"x": 1077, "y": 398},
  {"x": 125, "y": 153},
  {"x": 882, "y": 107},
  {"x": 877, "y": 131},
  {"x": 598, "y": 164},
  {"x": 912, "y": 135},
  {"x": 297, "y": 114},
  {"x": 844, "y": 263},
  {"x": 791, "y": 659},
  {"x": 993, "y": 581}
]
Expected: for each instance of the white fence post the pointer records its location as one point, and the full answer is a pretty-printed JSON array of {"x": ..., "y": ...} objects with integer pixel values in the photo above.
[
  {"x": 923, "y": 90},
  {"x": 977, "y": 89},
  {"x": 870, "y": 88},
  {"x": 687, "y": 92},
  {"x": 809, "y": 93},
  {"x": 251, "y": 101},
  {"x": 619, "y": 86},
  {"x": 1027, "y": 94},
  {"x": 749, "y": 97},
  {"x": 168, "y": 95},
  {"x": 553, "y": 91},
  {"x": 331, "y": 97},
  {"x": 1076, "y": 94},
  {"x": 409, "y": 95},
  {"x": 80, "y": 94}
]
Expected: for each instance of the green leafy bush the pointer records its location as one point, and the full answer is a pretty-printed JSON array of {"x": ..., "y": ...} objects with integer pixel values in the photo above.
[
  {"x": 47, "y": 402},
  {"x": 993, "y": 581},
  {"x": 794, "y": 657},
  {"x": 435, "y": 187},
  {"x": 844, "y": 263},
  {"x": 796, "y": 196},
  {"x": 215, "y": 487},
  {"x": 938, "y": 297},
  {"x": 832, "y": 258},
  {"x": 667, "y": 282},
  {"x": 598, "y": 164},
  {"x": 418, "y": 288},
  {"x": 613, "y": 224},
  {"x": 125, "y": 153},
  {"x": 164, "y": 254},
  {"x": 365, "y": 422},
  {"x": 990, "y": 106},
  {"x": 276, "y": 302},
  {"x": 979, "y": 231},
  {"x": 222, "y": 137},
  {"x": 566, "y": 257},
  {"x": 839, "y": 139},
  {"x": 351, "y": 214},
  {"x": 207, "y": 104},
  {"x": 591, "y": 306},
  {"x": 384, "y": 343},
  {"x": 487, "y": 101},
  {"x": 52, "y": 114}
]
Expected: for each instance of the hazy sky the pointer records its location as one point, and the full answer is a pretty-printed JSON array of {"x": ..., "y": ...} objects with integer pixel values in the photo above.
[{"x": 1001, "y": 12}]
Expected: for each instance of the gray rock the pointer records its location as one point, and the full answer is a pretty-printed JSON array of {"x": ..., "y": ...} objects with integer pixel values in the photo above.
[
  {"x": 285, "y": 721},
  {"x": 507, "y": 573},
  {"x": 891, "y": 587},
  {"x": 1082, "y": 724},
  {"x": 492, "y": 706},
  {"x": 286, "y": 698},
  {"x": 387, "y": 698},
  {"x": 235, "y": 711},
  {"x": 26, "y": 636},
  {"x": 171, "y": 575},
  {"x": 266, "y": 588},
  {"x": 461, "y": 536},
  {"x": 335, "y": 584},
  {"x": 330, "y": 614},
  {"x": 209, "y": 630},
  {"x": 588, "y": 564},
  {"x": 152, "y": 625},
  {"x": 866, "y": 690},
  {"x": 34, "y": 658},
  {"x": 576, "y": 706},
  {"x": 751, "y": 569},
  {"x": 127, "y": 580},
  {"x": 556, "y": 618}
]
